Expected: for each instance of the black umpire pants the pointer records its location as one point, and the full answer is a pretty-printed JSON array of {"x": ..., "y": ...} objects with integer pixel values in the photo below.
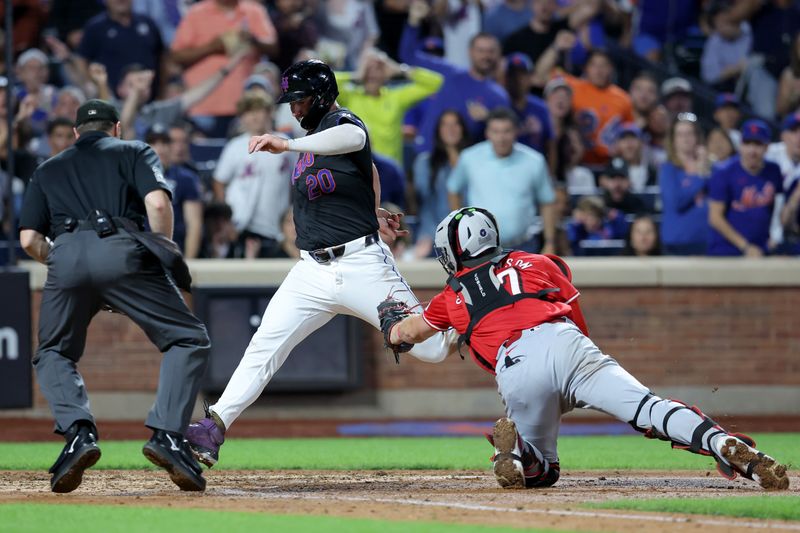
[{"x": 84, "y": 272}]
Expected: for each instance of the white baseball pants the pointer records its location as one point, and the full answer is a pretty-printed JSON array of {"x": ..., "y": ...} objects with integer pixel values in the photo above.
[{"x": 310, "y": 296}]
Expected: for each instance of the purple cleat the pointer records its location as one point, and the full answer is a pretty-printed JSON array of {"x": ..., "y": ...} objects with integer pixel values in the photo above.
[{"x": 205, "y": 438}]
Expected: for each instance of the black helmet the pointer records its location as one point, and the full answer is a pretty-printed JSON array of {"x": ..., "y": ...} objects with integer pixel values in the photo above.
[{"x": 310, "y": 78}]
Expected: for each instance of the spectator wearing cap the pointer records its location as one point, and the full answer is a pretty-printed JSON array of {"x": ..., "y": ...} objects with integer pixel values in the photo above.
[
  {"x": 644, "y": 96},
  {"x": 382, "y": 106},
  {"x": 629, "y": 147},
  {"x": 140, "y": 114},
  {"x": 599, "y": 106},
  {"x": 742, "y": 195},
  {"x": 615, "y": 184},
  {"x": 676, "y": 95},
  {"x": 510, "y": 180},
  {"x": 591, "y": 221},
  {"x": 727, "y": 114},
  {"x": 296, "y": 29},
  {"x": 210, "y": 31},
  {"x": 254, "y": 185},
  {"x": 506, "y": 17},
  {"x": 187, "y": 205},
  {"x": 119, "y": 37},
  {"x": 32, "y": 72},
  {"x": 534, "y": 118},
  {"x": 472, "y": 92},
  {"x": 725, "y": 51},
  {"x": 683, "y": 180}
]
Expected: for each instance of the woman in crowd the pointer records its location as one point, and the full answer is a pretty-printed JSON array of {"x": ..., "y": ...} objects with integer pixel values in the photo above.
[
  {"x": 642, "y": 238},
  {"x": 430, "y": 177},
  {"x": 684, "y": 179}
]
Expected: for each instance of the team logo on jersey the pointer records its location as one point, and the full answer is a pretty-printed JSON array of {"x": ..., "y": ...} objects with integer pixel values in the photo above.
[{"x": 752, "y": 198}]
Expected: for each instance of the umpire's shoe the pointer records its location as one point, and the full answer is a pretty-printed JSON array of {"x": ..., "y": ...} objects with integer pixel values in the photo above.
[
  {"x": 171, "y": 452},
  {"x": 80, "y": 453}
]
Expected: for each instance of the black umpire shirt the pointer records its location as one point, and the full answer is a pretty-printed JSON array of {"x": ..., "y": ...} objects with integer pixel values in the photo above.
[
  {"x": 333, "y": 196},
  {"x": 97, "y": 172}
]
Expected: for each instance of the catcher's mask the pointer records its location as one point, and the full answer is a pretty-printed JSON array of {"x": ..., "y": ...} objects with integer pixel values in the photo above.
[
  {"x": 310, "y": 78},
  {"x": 467, "y": 237}
]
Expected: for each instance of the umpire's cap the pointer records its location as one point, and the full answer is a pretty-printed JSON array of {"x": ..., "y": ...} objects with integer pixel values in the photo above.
[{"x": 95, "y": 110}]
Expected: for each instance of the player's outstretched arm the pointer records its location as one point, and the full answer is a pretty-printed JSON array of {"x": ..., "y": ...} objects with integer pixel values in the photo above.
[{"x": 341, "y": 139}]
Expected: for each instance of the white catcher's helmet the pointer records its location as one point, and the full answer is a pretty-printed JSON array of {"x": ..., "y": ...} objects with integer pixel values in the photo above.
[{"x": 466, "y": 237}]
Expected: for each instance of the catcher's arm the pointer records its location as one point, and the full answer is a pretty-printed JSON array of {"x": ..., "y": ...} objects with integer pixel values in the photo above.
[
  {"x": 412, "y": 330},
  {"x": 397, "y": 335}
]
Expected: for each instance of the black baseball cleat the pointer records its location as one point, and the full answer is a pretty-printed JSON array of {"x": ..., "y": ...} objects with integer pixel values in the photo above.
[
  {"x": 80, "y": 453},
  {"x": 171, "y": 452}
]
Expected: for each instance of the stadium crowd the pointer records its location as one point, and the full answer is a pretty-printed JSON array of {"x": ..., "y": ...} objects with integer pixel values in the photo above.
[{"x": 518, "y": 106}]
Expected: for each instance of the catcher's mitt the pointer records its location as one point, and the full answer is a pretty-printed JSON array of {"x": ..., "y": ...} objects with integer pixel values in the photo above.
[{"x": 390, "y": 312}]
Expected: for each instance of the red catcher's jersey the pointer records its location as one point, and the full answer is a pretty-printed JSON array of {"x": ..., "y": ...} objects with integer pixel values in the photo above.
[{"x": 519, "y": 272}]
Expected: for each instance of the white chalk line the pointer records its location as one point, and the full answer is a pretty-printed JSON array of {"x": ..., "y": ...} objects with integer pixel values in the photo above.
[{"x": 552, "y": 512}]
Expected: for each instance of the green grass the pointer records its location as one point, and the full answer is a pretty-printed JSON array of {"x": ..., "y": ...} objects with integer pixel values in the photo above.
[
  {"x": 770, "y": 507},
  {"x": 445, "y": 453},
  {"x": 22, "y": 518}
]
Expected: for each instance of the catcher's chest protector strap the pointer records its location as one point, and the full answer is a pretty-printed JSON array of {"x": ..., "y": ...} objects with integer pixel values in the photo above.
[{"x": 484, "y": 293}]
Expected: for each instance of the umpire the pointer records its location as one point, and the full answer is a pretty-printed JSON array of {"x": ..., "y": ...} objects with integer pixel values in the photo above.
[{"x": 92, "y": 200}]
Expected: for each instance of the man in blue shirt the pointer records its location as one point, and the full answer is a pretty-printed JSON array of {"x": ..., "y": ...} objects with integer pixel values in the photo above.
[
  {"x": 534, "y": 118},
  {"x": 472, "y": 93},
  {"x": 742, "y": 196},
  {"x": 510, "y": 180},
  {"x": 187, "y": 205},
  {"x": 118, "y": 38}
]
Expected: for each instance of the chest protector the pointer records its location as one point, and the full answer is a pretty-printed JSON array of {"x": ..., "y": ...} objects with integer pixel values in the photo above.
[{"x": 483, "y": 293}]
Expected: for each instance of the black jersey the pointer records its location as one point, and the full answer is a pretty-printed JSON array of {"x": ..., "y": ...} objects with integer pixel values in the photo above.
[
  {"x": 332, "y": 195},
  {"x": 97, "y": 172}
]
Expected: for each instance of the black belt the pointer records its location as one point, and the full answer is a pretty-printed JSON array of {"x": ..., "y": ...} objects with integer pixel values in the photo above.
[
  {"x": 70, "y": 225},
  {"x": 326, "y": 255}
]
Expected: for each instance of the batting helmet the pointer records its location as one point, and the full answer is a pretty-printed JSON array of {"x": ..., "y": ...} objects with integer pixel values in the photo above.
[
  {"x": 310, "y": 78},
  {"x": 467, "y": 237}
]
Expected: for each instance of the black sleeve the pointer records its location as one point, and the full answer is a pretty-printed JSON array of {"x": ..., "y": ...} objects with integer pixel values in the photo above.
[
  {"x": 35, "y": 214},
  {"x": 148, "y": 174}
]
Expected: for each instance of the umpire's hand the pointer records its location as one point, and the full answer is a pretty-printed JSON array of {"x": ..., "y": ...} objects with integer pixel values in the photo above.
[{"x": 268, "y": 143}]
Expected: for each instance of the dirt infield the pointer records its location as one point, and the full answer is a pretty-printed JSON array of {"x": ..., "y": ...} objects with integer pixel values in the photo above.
[{"x": 470, "y": 497}]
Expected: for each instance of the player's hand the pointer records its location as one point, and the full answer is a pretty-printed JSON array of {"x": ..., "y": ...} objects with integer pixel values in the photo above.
[
  {"x": 389, "y": 225},
  {"x": 268, "y": 143}
]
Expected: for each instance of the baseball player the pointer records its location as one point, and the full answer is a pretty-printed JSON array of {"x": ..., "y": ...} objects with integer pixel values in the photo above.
[
  {"x": 519, "y": 314},
  {"x": 345, "y": 267}
]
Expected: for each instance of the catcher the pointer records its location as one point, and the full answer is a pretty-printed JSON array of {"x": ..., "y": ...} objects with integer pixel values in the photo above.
[{"x": 519, "y": 315}]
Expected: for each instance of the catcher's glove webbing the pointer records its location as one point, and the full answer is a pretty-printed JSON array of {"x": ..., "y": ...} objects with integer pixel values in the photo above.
[{"x": 390, "y": 312}]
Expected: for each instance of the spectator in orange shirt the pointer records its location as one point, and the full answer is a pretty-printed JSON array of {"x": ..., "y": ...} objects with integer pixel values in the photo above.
[
  {"x": 600, "y": 107},
  {"x": 210, "y": 30}
]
